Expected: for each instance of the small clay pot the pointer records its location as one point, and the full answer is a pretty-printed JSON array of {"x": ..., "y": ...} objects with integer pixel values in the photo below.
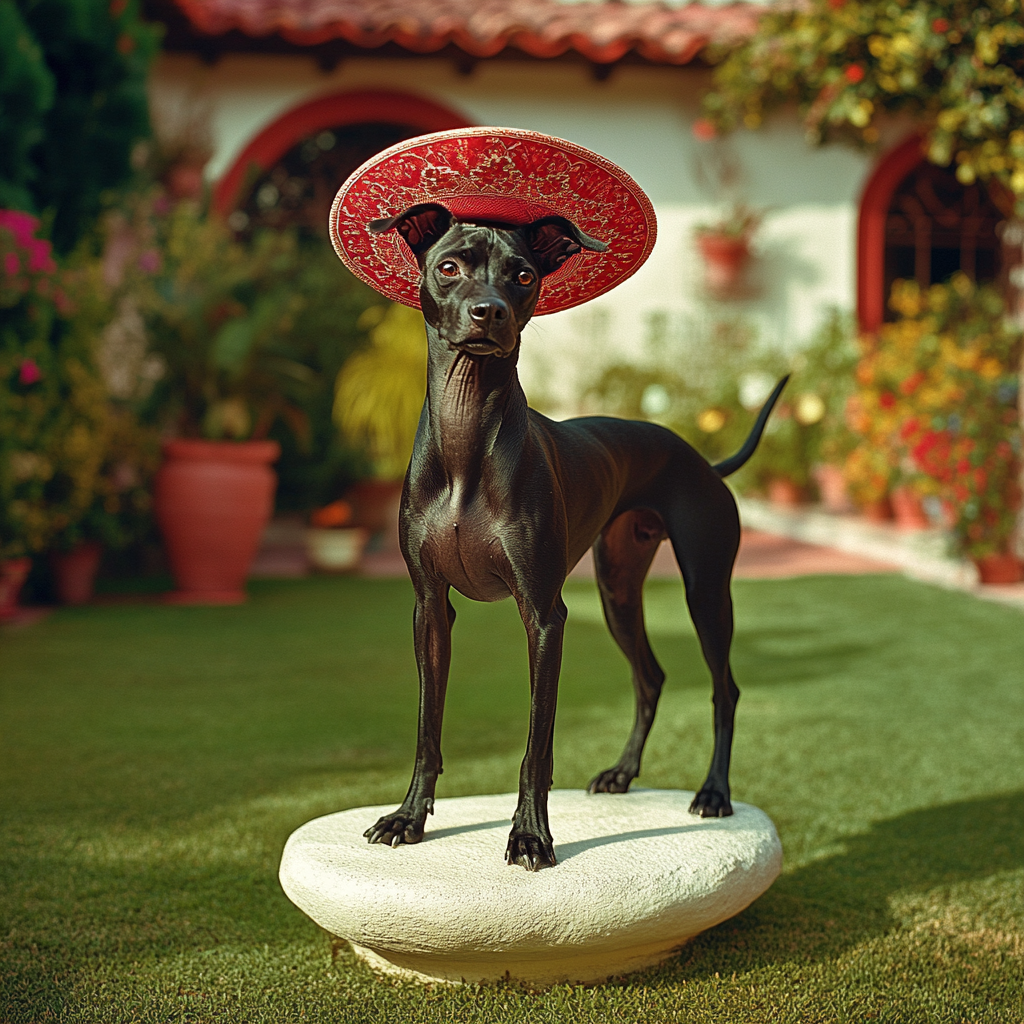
[
  {"x": 786, "y": 493},
  {"x": 832, "y": 489},
  {"x": 13, "y": 573},
  {"x": 908, "y": 510},
  {"x": 74, "y": 572},
  {"x": 879, "y": 511},
  {"x": 725, "y": 256},
  {"x": 999, "y": 568}
]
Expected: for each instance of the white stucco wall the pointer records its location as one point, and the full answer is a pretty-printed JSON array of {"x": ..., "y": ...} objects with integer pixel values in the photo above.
[{"x": 641, "y": 119}]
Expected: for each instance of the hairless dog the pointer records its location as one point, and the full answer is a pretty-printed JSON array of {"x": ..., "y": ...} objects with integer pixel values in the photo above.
[{"x": 500, "y": 501}]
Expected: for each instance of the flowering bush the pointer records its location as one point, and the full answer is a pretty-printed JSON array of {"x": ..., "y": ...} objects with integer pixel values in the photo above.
[
  {"x": 936, "y": 406},
  {"x": 953, "y": 65},
  {"x": 52, "y": 401}
]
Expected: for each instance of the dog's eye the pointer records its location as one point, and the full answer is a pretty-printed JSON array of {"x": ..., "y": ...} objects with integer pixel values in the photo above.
[
  {"x": 449, "y": 268},
  {"x": 525, "y": 277}
]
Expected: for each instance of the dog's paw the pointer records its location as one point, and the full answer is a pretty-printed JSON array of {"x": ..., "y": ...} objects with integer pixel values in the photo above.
[
  {"x": 395, "y": 829},
  {"x": 615, "y": 780},
  {"x": 529, "y": 851},
  {"x": 710, "y": 803}
]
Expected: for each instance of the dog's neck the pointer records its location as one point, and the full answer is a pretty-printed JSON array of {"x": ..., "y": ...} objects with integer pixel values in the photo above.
[{"x": 471, "y": 402}]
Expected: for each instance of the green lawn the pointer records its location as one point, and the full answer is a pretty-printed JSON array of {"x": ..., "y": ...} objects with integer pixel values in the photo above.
[{"x": 155, "y": 759}]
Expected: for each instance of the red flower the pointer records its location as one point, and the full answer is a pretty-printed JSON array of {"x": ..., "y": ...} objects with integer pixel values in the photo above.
[
  {"x": 29, "y": 372},
  {"x": 854, "y": 73},
  {"x": 963, "y": 467},
  {"x": 703, "y": 130},
  {"x": 887, "y": 400},
  {"x": 940, "y": 25},
  {"x": 835, "y": 5},
  {"x": 980, "y": 479},
  {"x": 912, "y": 383}
]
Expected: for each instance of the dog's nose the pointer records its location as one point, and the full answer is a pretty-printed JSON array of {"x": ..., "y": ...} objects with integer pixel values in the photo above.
[{"x": 485, "y": 312}]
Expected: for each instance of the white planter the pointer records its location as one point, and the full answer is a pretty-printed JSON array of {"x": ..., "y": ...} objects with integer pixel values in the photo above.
[{"x": 336, "y": 550}]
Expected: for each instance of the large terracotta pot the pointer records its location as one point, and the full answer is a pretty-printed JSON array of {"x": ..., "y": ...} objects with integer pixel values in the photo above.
[
  {"x": 1000, "y": 568},
  {"x": 13, "y": 573},
  {"x": 74, "y": 572},
  {"x": 212, "y": 500}
]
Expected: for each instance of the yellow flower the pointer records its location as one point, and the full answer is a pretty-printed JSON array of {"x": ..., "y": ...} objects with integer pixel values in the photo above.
[{"x": 711, "y": 420}]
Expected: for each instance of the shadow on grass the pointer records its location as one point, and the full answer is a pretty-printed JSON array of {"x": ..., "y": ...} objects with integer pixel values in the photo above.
[{"x": 819, "y": 911}]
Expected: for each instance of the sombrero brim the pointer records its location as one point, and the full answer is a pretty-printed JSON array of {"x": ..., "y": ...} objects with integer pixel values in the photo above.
[{"x": 495, "y": 175}]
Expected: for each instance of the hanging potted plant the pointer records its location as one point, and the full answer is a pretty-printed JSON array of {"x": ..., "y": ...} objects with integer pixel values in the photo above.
[
  {"x": 378, "y": 398},
  {"x": 219, "y": 313},
  {"x": 725, "y": 248}
]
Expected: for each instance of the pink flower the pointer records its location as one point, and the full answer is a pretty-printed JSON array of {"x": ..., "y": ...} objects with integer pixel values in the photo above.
[
  {"x": 149, "y": 261},
  {"x": 29, "y": 372},
  {"x": 12, "y": 265},
  {"x": 22, "y": 225},
  {"x": 39, "y": 260},
  {"x": 703, "y": 130}
]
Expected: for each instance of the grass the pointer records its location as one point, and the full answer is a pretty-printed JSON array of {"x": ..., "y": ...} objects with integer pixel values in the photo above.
[{"x": 155, "y": 759}]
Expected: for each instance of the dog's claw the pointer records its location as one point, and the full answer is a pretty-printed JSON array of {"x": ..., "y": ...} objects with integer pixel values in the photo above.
[
  {"x": 709, "y": 803},
  {"x": 395, "y": 830},
  {"x": 530, "y": 852},
  {"x": 614, "y": 780}
]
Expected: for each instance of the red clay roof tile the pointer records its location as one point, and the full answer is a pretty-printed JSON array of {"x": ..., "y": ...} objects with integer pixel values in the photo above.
[{"x": 601, "y": 32}]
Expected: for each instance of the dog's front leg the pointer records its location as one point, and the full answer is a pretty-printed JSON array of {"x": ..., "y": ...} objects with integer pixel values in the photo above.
[
  {"x": 529, "y": 842},
  {"x": 432, "y": 630}
]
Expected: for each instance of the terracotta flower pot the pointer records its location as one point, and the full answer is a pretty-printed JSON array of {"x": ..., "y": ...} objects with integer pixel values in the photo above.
[
  {"x": 832, "y": 489},
  {"x": 784, "y": 492},
  {"x": 725, "y": 256},
  {"x": 1000, "y": 568},
  {"x": 879, "y": 511},
  {"x": 375, "y": 505},
  {"x": 74, "y": 572},
  {"x": 908, "y": 510},
  {"x": 13, "y": 573},
  {"x": 212, "y": 500}
]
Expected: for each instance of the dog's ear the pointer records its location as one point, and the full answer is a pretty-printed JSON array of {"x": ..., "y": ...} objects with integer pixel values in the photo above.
[
  {"x": 552, "y": 240},
  {"x": 421, "y": 225}
]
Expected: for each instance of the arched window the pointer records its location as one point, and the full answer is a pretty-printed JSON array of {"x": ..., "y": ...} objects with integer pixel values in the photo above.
[
  {"x": 289, "y": 173},
  {"x": 918, "y": 222}
]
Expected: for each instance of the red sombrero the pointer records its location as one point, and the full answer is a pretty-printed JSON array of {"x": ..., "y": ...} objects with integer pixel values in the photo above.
[{"x": 495, "y": 175}]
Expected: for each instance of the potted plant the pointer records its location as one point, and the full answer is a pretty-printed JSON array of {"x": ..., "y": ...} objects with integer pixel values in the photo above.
[
  {"x": 958, "y": 427},
  {"x": 332, "y": 542},
  {"x": 725, "y": 248},
  {"x": 219, "y": 314},
  {"x": 378, "y": 398},
  {"x": 53, "y": 410}
]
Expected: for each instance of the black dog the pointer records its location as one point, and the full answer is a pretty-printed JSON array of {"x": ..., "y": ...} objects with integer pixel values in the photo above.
[{"x": 500, "y": 501}]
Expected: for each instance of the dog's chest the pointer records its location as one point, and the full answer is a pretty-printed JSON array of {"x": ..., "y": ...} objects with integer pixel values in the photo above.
[{"x": 462, "y": 542}]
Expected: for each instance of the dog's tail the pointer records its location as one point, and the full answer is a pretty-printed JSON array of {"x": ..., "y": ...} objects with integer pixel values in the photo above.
[{"x": 731, "y": 464}]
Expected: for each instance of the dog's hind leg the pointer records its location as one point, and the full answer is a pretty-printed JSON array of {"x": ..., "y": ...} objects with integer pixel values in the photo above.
[
  {"x": 622, "y": 556},
  {"x": 705, "y": 537}
]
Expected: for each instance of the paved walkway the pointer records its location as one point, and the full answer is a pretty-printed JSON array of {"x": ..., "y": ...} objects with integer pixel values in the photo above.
[{"x": 776, "y": 543}]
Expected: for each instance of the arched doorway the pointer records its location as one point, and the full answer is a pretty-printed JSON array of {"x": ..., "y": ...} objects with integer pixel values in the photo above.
[
  {"x": 918, "y": 222},
  {"x": 288, "y": 174}
]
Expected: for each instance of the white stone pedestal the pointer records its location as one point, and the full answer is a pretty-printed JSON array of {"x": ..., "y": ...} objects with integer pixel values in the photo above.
[{"x": 637, "y": 876}]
